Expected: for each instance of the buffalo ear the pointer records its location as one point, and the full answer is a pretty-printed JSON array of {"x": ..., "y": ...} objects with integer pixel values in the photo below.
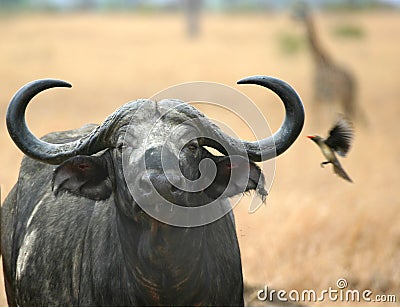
[
  {"x": 85, "y": 176},
  {"x": 236, "y": 175}
]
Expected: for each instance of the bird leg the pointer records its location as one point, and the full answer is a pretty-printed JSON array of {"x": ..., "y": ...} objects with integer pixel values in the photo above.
[{"x": 323, "y": 163}]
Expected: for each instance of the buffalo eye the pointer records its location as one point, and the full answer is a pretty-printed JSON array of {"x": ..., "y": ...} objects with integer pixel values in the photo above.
[
  {"x": 83, "y": 166},
  {"x": 192, "y": 147},
  {"x": 121, "y": 146}
]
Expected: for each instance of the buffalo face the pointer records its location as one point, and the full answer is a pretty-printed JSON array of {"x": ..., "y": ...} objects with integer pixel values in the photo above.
[{"x": 158, "y": 163}]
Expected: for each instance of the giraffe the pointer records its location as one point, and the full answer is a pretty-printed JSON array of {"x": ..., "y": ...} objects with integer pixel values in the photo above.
[{"x": 332, "y": 82}]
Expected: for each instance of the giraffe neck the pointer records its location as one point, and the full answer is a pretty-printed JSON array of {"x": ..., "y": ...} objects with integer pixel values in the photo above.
[{"x": 318, "y": 52}]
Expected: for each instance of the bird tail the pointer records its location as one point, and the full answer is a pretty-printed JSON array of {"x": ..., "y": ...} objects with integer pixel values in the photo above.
[{"x": 338, "y": 169}]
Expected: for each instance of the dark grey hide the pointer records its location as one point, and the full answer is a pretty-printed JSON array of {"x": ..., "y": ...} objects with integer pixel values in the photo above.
[{"x": 71, "y": 233}]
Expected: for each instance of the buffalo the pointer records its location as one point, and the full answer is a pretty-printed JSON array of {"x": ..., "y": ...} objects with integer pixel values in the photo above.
[{"x": 81, "y": 226}]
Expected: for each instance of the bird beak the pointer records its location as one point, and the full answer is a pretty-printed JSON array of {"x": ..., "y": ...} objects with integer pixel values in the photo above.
[{"x": 310, "y": 136}]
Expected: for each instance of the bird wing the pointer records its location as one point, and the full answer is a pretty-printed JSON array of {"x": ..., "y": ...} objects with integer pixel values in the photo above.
[{"x": 341, "y": 136}]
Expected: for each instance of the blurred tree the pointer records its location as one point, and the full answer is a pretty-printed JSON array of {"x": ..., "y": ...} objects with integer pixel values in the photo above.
[
  {"x": 192, "y": 10},
  {"x": 87, "y": 4},
  {"x": 351, "y": 3},
  {"x": 13, "y": 3}
]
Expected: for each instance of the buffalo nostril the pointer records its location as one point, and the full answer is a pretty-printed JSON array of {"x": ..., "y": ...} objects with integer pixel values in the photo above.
[
  {"x": 164, "y": 185},
  {"x": 174, "y": 189}
]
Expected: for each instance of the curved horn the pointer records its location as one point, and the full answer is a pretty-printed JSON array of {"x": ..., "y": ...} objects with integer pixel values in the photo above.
[
  {"x": 30, "y": 144},
  {"x": 281, "y": 140},
  {"x": 101, "y": 137}
]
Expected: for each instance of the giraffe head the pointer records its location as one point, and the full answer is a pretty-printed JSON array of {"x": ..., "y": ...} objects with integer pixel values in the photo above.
[{"x": 301, "y": 11}]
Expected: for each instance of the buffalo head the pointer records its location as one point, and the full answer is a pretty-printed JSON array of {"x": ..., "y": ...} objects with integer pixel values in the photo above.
[{"x": 153, "y": 153}]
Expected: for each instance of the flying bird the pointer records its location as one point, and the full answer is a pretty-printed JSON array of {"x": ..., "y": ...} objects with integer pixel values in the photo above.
[{"x": 339, "y": 141}]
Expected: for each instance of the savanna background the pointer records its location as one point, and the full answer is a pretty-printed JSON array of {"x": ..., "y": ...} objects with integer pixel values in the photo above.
[{"x": 315, "y": 227}]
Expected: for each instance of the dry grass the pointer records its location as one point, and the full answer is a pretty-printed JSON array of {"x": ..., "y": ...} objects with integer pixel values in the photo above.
[{"x": 315, "y": 228}]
